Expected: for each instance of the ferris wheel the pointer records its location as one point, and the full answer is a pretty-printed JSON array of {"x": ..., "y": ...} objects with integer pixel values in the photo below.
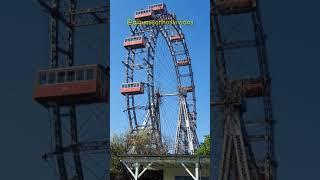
[
  {"x": 156, "y": 83},
  {"x": 243, "y": 100}
]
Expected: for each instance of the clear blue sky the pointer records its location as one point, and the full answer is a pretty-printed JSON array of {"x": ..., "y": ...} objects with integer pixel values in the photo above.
[{"x": 197, "y": 37}]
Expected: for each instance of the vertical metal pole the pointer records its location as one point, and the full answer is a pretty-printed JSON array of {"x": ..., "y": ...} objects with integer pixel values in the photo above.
[
  {"x": 73, "y": 5},
  {"x": 178, "y": 133},
  {"x": 72, "y": 110},
  {"x": 54, "y": 63},
  {"x": 74, "y": 141},
  {"x": 136, "y": 173},
  {"x": 197, "y": 171},
  {"x": 59, "y": 143},
  {"x": 54, "y": 28}
]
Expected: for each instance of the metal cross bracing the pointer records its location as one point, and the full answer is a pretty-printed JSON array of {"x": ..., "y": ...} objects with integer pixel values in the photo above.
[
  {"x": 140, "y": 66},
  {"x": 242, "y": 100},
  {"x": 139, "y": 165},
  {"x": 70, "y": 149}
]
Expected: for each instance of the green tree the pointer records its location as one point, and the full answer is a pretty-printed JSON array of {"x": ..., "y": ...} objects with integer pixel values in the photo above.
[
  {"x": 204, "y": 148},
  {"x": 139, "y": 144},
  {"x": 117, "y": 147}
]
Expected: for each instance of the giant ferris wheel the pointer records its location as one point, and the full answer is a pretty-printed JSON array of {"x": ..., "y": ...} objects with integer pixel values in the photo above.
[
  {"x": 242, "y": 100},
  {"x": 148, "y": 83}
]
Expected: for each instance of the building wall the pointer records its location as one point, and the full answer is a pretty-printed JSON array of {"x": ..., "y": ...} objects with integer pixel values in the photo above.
[{"x": 171, "y": 173}]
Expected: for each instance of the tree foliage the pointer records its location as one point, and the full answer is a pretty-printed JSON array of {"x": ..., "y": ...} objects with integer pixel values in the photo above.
[
  {"x": 204, "y": 148},
  {"x": 133, "y": 144},
  {"x": 117, "y": 147}
]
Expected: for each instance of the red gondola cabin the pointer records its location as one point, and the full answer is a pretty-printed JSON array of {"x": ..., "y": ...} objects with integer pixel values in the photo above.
[
  {"x": 254, "y": 88},
  {"x": 183, "y": 62},
  {"x": 236, "y": 5},
  {"x": 158, "y": 8},
  {"x": 85, "y": 84},
  {"x": 132, "y": 88},
  {"x": 144, "y": 15},
  {"x": 176, "y": 38},
  {"x": 134, "y": 42}
]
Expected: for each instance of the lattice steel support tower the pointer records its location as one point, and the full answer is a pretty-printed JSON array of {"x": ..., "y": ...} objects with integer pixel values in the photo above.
[
  {"x": 64, "y": 18},
  {"x": 186, "y": 136},
  {"x": 240, "y": 158}
]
